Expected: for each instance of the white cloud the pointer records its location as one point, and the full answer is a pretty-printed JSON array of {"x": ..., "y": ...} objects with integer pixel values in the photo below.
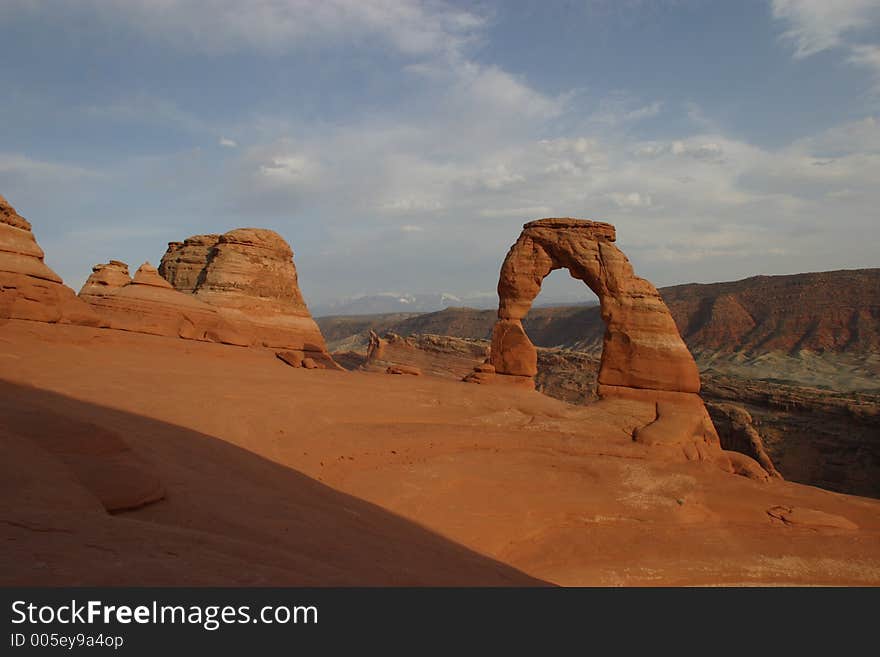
[
  {"x": 228, "y": 143},
  {"x": 410, "y": 205},
  {"x": 286, "y": 169},
  {"x": 496, "y": 89},
  {"x": 692, "y": 147},
  {"x": 642, "y": 113},
  {"x": 817, "y": 25},
  {"x": 868, "y": 56},
  {"x": 500, "y": 177},
  {"x": 630, "y": 200},
  {"x": 411, "y": 228}
]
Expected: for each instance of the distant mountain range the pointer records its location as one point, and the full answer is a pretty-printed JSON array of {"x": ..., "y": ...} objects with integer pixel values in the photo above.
[
  {"x": 835, "y": 311},
  {"x": 390, "y": 302}
]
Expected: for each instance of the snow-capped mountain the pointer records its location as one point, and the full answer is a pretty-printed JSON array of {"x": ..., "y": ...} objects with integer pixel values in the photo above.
[{"x": 394, "y": 302}]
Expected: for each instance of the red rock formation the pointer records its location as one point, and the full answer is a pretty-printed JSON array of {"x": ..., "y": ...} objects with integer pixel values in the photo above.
[
  {"x": 643, "y": 355},
  {"x": 433, "y": 355},
  {"x": 148, "y": 304},
  {"x": 249, "y": 275},
  {"x": 28, "y": 288},
  {"x": 642, "y": 347},
  {"x": 738, "y": 433}
]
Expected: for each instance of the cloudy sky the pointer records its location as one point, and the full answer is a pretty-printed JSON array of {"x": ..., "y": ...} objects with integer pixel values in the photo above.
[{"x": 400, "y": 144}]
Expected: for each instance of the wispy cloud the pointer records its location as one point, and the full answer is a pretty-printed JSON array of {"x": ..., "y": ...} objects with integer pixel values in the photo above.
[
  {"x": 413, "y": 27},
  {"x": 817, "y": 25}
]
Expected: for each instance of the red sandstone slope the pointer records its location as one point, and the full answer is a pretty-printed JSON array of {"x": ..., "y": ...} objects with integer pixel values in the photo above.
[
  {"x": 361, "y": 478},
  {"x": 825, "y": 311}
]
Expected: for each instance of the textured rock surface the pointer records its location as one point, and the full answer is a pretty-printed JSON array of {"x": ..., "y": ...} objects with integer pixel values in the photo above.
[
  {"x": 833, "y": 311},
  {"x": 28, "y": 288},
  {"x": 148, "y": 304},
  {"x": 249, "y": 275},
  {"x": 433, "y": 355},
  {"x": 184, "y": 262},
  {"x": 813, "y": 436}
]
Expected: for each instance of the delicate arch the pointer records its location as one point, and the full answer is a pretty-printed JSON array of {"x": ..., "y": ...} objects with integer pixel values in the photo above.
[{"x": 642, "y": 347}]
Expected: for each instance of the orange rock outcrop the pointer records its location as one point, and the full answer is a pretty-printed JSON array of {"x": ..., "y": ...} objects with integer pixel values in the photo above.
[
  {"x": 148, "y": 304},
  {"x": 29, "y": 289},
  {"x": 248, "y": 274}
]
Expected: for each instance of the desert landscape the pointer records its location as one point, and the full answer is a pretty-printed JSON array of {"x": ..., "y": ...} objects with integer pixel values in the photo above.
[
  {"x": 304, "y": 297},
  {"x": 193, "y": 424}
]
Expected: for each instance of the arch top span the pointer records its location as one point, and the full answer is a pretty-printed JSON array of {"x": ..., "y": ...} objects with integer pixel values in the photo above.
[{"x": 599, "y": 230}]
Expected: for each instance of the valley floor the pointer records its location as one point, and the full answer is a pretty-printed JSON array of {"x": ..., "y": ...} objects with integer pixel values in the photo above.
[{"x": 282, "y": 476}]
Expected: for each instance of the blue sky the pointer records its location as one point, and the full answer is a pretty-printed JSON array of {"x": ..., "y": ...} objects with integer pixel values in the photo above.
[{"x": 399, "y": 145}]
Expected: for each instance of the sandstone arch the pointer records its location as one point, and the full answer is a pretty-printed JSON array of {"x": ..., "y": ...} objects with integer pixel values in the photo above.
[
  {"x": 644, "y": 359},
  {"x": 642, "y": 347}
]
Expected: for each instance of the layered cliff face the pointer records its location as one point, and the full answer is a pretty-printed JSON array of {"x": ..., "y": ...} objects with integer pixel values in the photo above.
[
  {"x": 835, "y": 311},
  {"x": 184, "y": 262},
  {"x": 29, "y": 289},
  {"x": 432, "y": 355},
  {"x": 248, "y": 274}
]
